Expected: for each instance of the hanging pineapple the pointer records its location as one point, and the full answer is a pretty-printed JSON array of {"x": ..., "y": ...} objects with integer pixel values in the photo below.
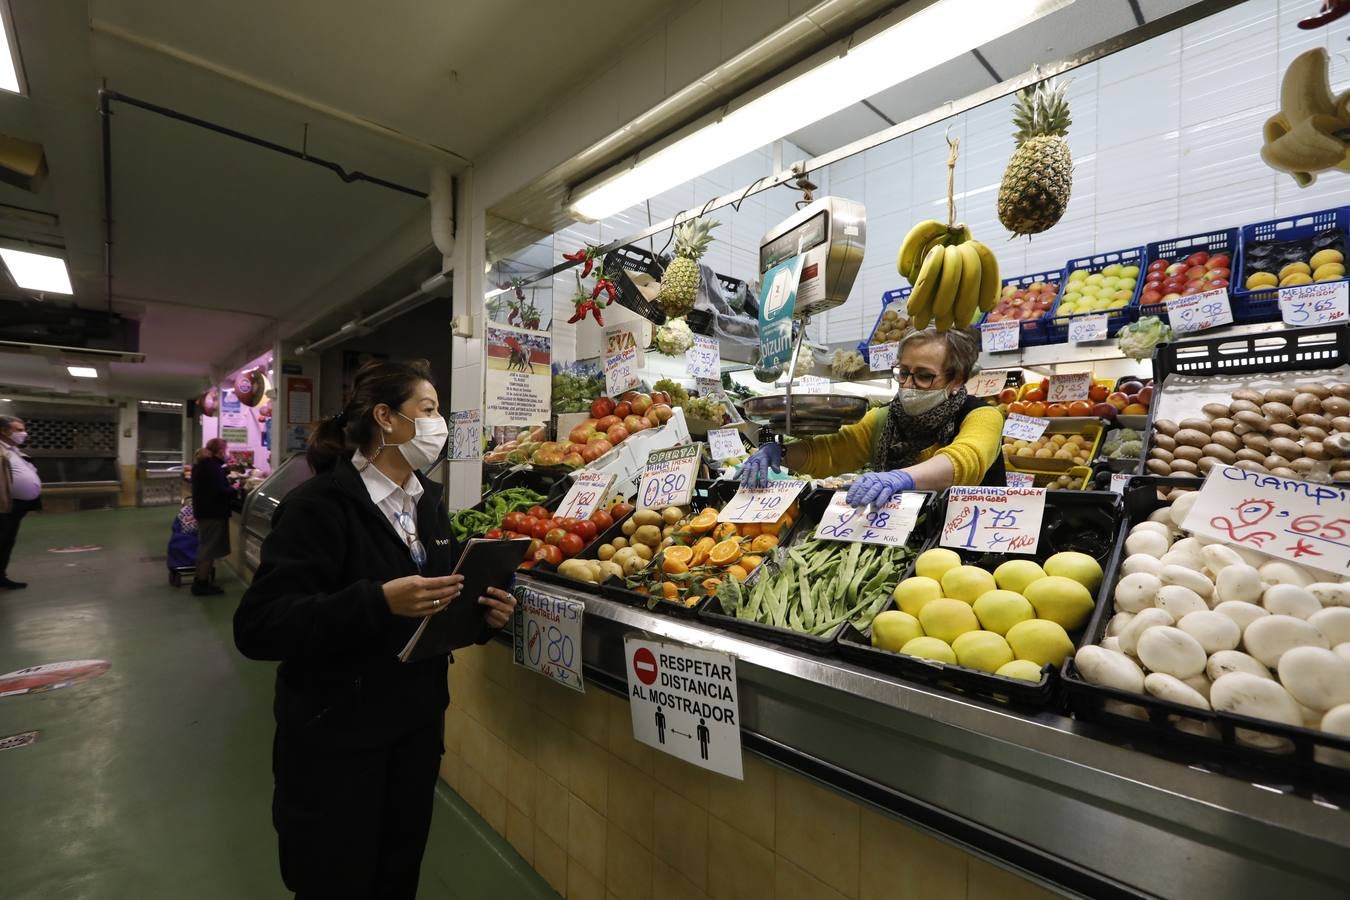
[
  {"x": 1039, "y": 177},
  {"x": 679, "y": 286}
]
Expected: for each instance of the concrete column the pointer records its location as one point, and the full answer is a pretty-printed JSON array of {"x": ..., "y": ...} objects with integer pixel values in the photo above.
[
  {"x": 127, "y": 443},
  {"x": 466, "y": 379}
]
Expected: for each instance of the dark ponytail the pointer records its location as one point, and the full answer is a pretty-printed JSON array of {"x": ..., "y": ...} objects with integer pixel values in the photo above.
[{"x": 390, "y": 383}]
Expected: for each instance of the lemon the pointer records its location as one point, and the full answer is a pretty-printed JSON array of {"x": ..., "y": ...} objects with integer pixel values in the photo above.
[
  {"x": 1000, "y": 610},
  {"x": 967, "y": 583},
  {"x": 1020, "y": 668},
  {"x": 893, "y": 629},
  {"x": 1060, "y": 599},
  {"x": 982, "y": 650},
  {"x": 912, "y": 593},
  {"x": 932, "y": 563},
  {"x": 947, "y": 619},
  {"x": 930, "y": 648},
  {"x": 1016, "y": 574},
  {"x": 1040, "y": 641},
  {"x": 1079, "y": 566}
]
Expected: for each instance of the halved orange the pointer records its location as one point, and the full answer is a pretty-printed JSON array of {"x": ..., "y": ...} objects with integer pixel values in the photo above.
[
  {"x": 725, "y": 553},
  {"x": 673, "y": 566},
  {"x": 701, "y": 550},
  {"x": 764, "y": 543},
  {"x": 704, "y": 522},
  {"x": 680, "y": 553},
  {"x": 750, "y": 563},
  {"x": 670, "y": 590}
]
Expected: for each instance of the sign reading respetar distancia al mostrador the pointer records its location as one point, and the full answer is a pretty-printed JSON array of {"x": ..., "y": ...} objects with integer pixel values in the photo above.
[{"x": 683, "y": 702}]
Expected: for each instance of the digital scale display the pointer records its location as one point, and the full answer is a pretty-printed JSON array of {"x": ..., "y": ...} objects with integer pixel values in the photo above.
[{"x": 806, "y": 236}]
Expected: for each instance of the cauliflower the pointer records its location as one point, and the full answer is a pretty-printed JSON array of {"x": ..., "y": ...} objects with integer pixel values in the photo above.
[
  {"x": 1128, "y": 450},
  {"x": 1138, "y": 339},
  {"x": 674, "y": 337},
  {"x": 848, "y": 364}
]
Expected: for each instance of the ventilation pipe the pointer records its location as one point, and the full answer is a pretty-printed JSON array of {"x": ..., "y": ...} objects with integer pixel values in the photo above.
[{"x": 443, "y": 214}]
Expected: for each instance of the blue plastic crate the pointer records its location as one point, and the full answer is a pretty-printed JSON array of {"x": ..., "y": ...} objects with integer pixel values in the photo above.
[
  {"x": 1222, "y": 240},
  {"x": 898, "y": 297},
  {"x": 1057, "y": 327},
  {"x": 1033, "y": 330},
  {"x": 1264, "y": 305}
]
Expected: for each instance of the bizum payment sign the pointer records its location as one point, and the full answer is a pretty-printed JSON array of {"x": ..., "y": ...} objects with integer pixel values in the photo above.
[
  {"x": 777, "y": 300},
  {"x": 683, "y": 702}
]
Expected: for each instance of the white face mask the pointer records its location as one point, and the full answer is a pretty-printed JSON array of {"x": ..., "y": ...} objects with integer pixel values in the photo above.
[
  {"x": 19, "y": 438},
  {"x": 917, "y": 402},
  {"x": 424, "y": 447}
]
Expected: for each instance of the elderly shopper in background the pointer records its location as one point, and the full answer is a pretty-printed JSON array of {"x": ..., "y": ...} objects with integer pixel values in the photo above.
[
  {"x": 20, "y": 491},
  {"x": 212, "y": 496}
]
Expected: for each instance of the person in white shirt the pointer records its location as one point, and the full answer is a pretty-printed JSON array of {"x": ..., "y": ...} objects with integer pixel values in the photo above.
[{"x": 20, "y": 488}]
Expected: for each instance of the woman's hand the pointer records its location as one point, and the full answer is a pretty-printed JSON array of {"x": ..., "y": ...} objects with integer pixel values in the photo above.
[
  {"x": 414, "y": 596},
  {"x": 877, "y": 487},
  {"x": 500, "y": 604},
  {"x": 755, "y": 470}
]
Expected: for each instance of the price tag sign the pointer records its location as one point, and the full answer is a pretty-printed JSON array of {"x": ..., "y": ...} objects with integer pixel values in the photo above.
[
  {"x": 882, "y": 357},
  {"x": 889, "y": 525},
  {"x": 1315, "y": 304},
  {"x": 1019, "y": 479},
  {"x": 1119, "y": 480},
  {"x": 586, "y": 494},
  {"x": 987, "y": 384},
  {"x": 1067, "y": 388},
  {"x": 1199, "y": 311},
  {"x": 1024, "y": 428},
  {"x": 1298, "y": 521},
  {"x": 766, "y": 504},
  {"x": 813, "y": 384},
  {"x": 724, "y": 443},
  {"x": 999, "y": 337},
  {"x": 623, "y": 359},
  {"x": 704, "y": 359},
  {"x": 1087, "y": 328},
  {"x": 546, "y": 632},
  {"x": 466, "y": 438},
  {"x": 993, "y": 520},
  {"x": 668, "y": 479}
]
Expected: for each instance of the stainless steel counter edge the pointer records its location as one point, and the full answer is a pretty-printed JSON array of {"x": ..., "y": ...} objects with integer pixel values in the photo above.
[{"x": 1058, "y": 788}]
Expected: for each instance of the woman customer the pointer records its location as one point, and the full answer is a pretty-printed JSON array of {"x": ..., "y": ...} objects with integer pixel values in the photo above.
[
  {"x": 932, "y": 435},
  {"x": 212, "y": 500},
  {"x": 356, "y": 557}
]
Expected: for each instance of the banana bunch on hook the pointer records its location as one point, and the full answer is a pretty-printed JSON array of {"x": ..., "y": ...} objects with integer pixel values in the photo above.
[{"x": 1311, "y": 131}]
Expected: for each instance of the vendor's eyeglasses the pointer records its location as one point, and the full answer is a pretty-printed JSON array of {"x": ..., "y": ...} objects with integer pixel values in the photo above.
[
  {"x": 922, "y": 380},
  {"x": 408, "y": 525}
]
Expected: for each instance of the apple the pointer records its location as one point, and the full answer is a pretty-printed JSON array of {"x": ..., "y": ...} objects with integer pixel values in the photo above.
[
  {"x": 660, "y": 413},
  {"x": 1190, "y": 289},
  {"x": 1007, "y": 395},
  {"x": 601, "y": 407},
  {"x": 1171, "y": 295},
  {"x": 1104, "y": 411},
  {"x": 623, "y": 409},
  {"x": 583, "y": 433},
  {"x": 641, "y": 403},
  {"x": 1145, "y": 395},
  {"x": 1218, "y": 261},
  {"x": 1130, "y": 387},
  {"x": 1198, "y": 258},
  {"x": 1151, "y": 296},
  {"x": 633, "y": 423},
  {"x": 617, "y": 433},
  {"x": 1195, "y": 272},
  {"x": 1118, "y": 399},
  {"x": 1158, "y": 265},
  {"x": 1176, "y": 269},
  {"x": 1214, "y": 274}
]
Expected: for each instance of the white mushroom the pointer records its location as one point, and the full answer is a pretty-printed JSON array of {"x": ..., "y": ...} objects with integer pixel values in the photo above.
[
  {"x": 1200, "y": 684},
  {"x": 1178, "y": 600},
  {"x": 1239, "y": 582},
  {"x": 1171, "y": 650},
  {"x": 1337, "y": 722},
  {"x": 1251, "y": 695},
  {"x": 1342, "y": 650},
  {"x": 1143, "y": 620},
  {"x": 1181, "y": 506},
  {"x": 1329, "y": 593},
  {"x": 1108, "y": 668},
  {"x": 1240, "y": 612},
  {"x": 1315, "y": 677},
  {"x": 1218, "y": 557},
  {"x": 1286, "y": 573},
  {"x": 1270, "y": 637},
  {"x": 1290, "y": 600},
  {"x": 1187, "y": 578},
  {"x": 1136, "y": 592},
  {"x": 1334, "y": 623},
  {"x": 1146, "y": 541},
  {"x": 1174, "y": 690},
  {"x": 1141, "y": 562},
  {"x": 1117, "y": 623},
  {"x": 1111, "y": 643},
  {"x": 1214, "y": 631},
  {"x": 1225, "y": 661}
]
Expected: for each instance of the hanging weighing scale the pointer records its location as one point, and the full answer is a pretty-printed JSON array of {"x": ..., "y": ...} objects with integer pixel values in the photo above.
[{"x": 830, "y": 235}]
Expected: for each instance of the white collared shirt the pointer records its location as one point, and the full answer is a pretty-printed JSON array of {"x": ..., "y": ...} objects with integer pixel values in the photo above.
[
  {"x": 388, "y": 496},
  {"x": 26, "y": 485}
]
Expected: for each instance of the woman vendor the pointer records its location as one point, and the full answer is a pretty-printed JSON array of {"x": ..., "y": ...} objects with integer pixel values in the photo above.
[{"x": 932, "y": 435}]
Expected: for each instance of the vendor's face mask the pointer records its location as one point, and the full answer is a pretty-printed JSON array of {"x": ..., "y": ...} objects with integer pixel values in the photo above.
[{"x": 916, "y": 402}]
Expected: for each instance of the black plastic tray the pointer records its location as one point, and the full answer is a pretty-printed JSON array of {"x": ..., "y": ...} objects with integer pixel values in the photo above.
[
  {"x": 1069, "y": 520},
  {"x": 813, "y": 506},
  {"x": 1090, "y": 702},
  {"x": 637, "y": 259}
]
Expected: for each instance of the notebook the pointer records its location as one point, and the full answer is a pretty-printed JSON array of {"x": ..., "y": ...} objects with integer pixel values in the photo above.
[{"x": 484, "y": 563}]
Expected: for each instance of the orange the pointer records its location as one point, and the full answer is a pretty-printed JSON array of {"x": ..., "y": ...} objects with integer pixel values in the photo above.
[
  {"x": 727, "y": 552},
  {"x": 738, "y": 573},
  {"x": 763, "y": 544},
  {"x": 701, "y": 550},
  {"x": 710, "y": 585},
  {"x": 750, "y": 563},
  {"x": 670, "y": 590},
  {"x": 673, "y": 566},
  {"x": 1035, "y": 409},
  {"x": 725, "y": 530},
  {"x": 680, "y": 554},
  {"x": 705, "y": 521},
  {"x": 1055, "y": 410},
  {"x": 1080, "y": 408},
  {"x": 1017, "y": 406},
  {"x": 1034, "y": 395}
]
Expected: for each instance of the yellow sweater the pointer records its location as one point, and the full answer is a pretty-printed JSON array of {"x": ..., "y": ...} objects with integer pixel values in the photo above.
[{"x": 973, "y": 450}]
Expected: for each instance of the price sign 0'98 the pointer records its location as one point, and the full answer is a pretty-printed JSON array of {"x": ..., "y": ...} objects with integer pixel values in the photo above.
[
  {"x": 889, "y": 525},
  {"x": 993, "y": 519},
  {"x": 587, "y": 491},
  {"x": 1199, "y": 312},
  {"x": 766, "y": 504},
  {"x": 668, "y": 479}
]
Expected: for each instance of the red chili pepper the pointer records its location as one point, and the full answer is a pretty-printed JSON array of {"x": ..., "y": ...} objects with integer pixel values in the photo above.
[
  {"x": 586, "y": 269},
  {"x": 520, "y": 293},
  {"x": 579, "y": 256},
  {"x": 577, "y": 316}
]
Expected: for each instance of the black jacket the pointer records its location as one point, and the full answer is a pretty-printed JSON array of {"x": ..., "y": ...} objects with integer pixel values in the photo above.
[
  {"x": 316, "y": 604},
  {"x": 211, "y": 490}
]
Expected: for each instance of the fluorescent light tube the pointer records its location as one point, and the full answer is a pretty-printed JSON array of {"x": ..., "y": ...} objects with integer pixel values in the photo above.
[
  {"x": 82, "y": 371},
  {"x": 9, "y": 69},
  {"x": 910, "y": 47},
  {"x": 36, "y": 272}
]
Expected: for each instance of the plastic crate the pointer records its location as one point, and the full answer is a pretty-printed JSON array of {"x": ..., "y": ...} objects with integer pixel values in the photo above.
[
  {"x": 1033, "y": 330},
  {"x": 636, "y": 259},
  {"x": 898, "y": 297},
  {"x": 1074, "y": 520},
  {"x": 1223, "y": 240},
  {"x": 1117, "y": 708},
  {"x": 1264, "y": 305},
  {"x": 1287, "y": 350},
  {"x": 1062, "y": 425},
  {"x": 1057, "y": 327}
]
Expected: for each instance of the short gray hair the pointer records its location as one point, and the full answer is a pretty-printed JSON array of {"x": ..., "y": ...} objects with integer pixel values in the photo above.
[{"x": 962, "y": 347}]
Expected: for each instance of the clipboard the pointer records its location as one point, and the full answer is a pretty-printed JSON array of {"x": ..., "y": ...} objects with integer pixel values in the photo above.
[{"x": 485, "y": 563}]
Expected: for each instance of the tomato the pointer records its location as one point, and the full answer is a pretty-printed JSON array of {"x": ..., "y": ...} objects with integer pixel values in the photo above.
[
  {"x": 494, "y": 533},
  {"x": 535, "y": 545},
  {"x": 527, "y": 523},
  {"x": 548, "y": 554},
  {"x": 539, "y": 512},
  {"x": 554, "y": 536},
  {"x": 512, "y": 521},
  {"x": 527, "y": 564},
  {"x": 587, "y": 530},
  {"x": 539, "y": 530},
  {"x": 571, "y": 545},
  {"x": 569, "y": 524},
  {"x": 619, "y": 510},
  {"x": 602, "y": 519},
  {"x": 555, "y": 522}
]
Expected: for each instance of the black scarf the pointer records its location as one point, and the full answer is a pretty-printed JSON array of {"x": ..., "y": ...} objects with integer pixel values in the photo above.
[{"x": 906, "y": 436}]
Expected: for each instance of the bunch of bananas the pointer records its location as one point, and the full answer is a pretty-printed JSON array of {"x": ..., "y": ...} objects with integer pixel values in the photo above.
[{"x": 952, "y": 274}]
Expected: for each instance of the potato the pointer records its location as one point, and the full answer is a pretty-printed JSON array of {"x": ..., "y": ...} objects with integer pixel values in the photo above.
[
  {"x": 646, "y": 517},
  {"x": 1226, "y": 440},
  {"x": 1280, "y": 395},
  {"x": 1168, "y": 427},
  {"x": 1200, "y": 425},
  {"x": 643, "y": 551},
  {"x": 1215, "y": 410},
  {"x": 1253, "y": 420},
  {"x": 619, "y": 543},
  {"x": 1277, "y": 412},
  {"x": 578, "y": 569},
  {"x": 606, "y": 552},
  {"x": 630, "y": 525},
  {"x": 647, "y": 534},
  {"x": 1165, "y": 441},
  {"x": 1192, "y": 437},
  {"x": 1220, "y": 452},
  {"x": 1306, "y": 403},
  {"x": 671, "y": 515},
  {"x": 610, "y": 569}
]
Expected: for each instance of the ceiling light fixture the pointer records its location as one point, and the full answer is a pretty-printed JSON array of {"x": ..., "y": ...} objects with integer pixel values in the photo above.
[
  {"x": 82, "y": 371},
  {"x": 925, "y": 39},
  {"x": 36, "y": 272},
  {"x": 9, "y": 66}
]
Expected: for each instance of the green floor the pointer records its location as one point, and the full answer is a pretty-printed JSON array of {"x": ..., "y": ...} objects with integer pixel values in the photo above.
[{"x": 154, "y": 780}]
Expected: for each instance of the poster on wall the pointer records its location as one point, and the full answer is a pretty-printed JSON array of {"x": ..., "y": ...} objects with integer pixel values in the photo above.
[
  {"x": 519, "y": 377},
  {"x": 299, "y": 401}
]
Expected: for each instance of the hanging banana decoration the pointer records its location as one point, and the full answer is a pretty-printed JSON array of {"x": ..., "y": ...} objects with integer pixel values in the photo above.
[{"x": 952, "y": 274}]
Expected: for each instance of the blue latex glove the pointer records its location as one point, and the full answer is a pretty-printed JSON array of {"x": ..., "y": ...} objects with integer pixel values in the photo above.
[
  {"x": 875, "y": 488},
  {"x": 755, "y": 471}
]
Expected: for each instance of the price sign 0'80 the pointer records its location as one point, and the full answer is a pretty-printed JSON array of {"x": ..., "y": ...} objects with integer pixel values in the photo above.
[{"x": 668, "y": 479}]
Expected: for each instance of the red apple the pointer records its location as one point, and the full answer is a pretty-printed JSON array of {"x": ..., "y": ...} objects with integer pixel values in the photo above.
[
  {"x": 1195, "y": 272},
  {"x": 660, "y": 413},
  {"x": 1104, "y": 411},
  {"x": 623, "y": 409},
  {"x": 583, "y": 433},
  {"x": 1118, "y": 399},
  {"x": 1218, "y": 283},
  {"x": 1218, "y": 261},
  {"x": 1213, "y": 274},
  {"x": 601, "y": 407},
  {"x": 641, "y": 403},
  {"x": 1171, "y": 295},
  {"x": 1158, "y": 265},
  {"x": 1130, "y": 387},
  {"x": 633, "y": 423},
  {"x": 617, "y": 433},
  {"x": 1145, "y": 395},
  {"x": 1198, "y": 258},
  {"x": 1176, "y": 269},
  {"x": 1190, "y": 289},
  {"x": 1151, "y": 296}
]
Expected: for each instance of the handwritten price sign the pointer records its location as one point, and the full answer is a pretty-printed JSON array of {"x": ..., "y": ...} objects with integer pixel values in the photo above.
[
  {"x": 987, "y": 384},
  {"x": 1300, "y": 521},
  {"x": 1087, "y": 328},
  {"x": 546, "y": 634},
  {"x": 587, "y": 491},
  {"x": 1315, "y": 304},
  {"x": 703, "y": 360},
  {"x": 1199, "y": 311},
  {"x": 668, "y": 479},
  {"x": 766, "y": 504},
  {"x": 724, "y": 443},
  {"x": 882, "y": 357},
  {"x": 888, "y": 526},
  {"x": 1019, "y": 479},
  {"x": 1024, "y": 428},
  {"x": 1119, "y": 481},
  {"x": 993, "y": 520},
  {"x": 999, "y": 337},
  {"x": 466, "y": 441},
  {"x": 1065, "y": 388}
]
